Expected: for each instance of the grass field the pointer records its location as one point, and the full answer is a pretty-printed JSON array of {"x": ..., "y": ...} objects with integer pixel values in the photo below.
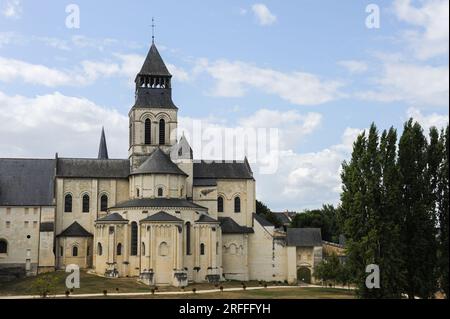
[{"x": 91, "y": 284}]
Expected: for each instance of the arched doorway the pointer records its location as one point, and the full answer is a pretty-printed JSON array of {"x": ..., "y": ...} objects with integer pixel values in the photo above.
[{"x": 304, "y": 275}]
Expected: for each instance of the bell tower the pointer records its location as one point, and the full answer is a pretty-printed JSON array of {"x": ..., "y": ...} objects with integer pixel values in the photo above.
[{"x": 153, "y": 117}]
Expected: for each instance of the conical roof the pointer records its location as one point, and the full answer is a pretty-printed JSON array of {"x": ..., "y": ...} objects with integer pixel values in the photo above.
[
  {"x": 154, "y": 64},
  {"x": 158, "y": 163},
  {"x": 103, "y": 149}
]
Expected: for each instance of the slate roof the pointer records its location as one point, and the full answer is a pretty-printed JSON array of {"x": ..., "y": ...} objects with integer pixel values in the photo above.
[
  {"x": 204, "y": 182},
  {"x": 262, "y": 221},
  {"x": 206, "y": 219},
  {"x": 92, "y": 168},
  {"x": 304, "y": 237},
  {"x": 162, "y": 217},
  {"x": 222, "y": 170},
  {"x": 115, "y": 217},
  {"x": 282, "y": 218},
  {"x": 160, "y": 202},
  {"x": 154, "y": 98},
  {"x": 75, "y": 230},
  {"x": 154, "y": 64},
  {"x": 103, "y": 149},
  {"x": 229, "y": 226},
  {"x": 158, "y": 163},
  {"x": 27, "y": 182}
]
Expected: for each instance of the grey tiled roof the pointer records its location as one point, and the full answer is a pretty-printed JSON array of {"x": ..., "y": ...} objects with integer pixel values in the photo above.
[
  {"x": 206, "y": 219},
  {"x": 222, "y": 170},
  {"x": 92, "y": 168},
  {"x": 282, "y": 218},
  {"x": 75, "y": 230},
  {"x": 262, "y": 221},
  {"x": 162, "y": 217},
  {"x": 229, "y": 226},
  {"x": 27, "y": 182},
  {"x": 47, "y": 227},
  {"x": 154, "y": 64},
  {"x": 158, "y": 163},
  {"x": 154, "y": 98},
  {"x": 204, "y": 182},
  {"x": 160, "y": 202},
  {"x": 115, "y": 217},
  {"x": 103, "y": 149},
  {"x": 304, "y": 237}
]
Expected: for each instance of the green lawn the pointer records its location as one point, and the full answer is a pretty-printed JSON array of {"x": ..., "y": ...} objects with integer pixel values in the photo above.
[{"x": 96, "y": 285}]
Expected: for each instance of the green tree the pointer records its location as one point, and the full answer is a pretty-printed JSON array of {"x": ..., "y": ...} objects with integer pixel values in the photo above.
[
  {"x": 264, "y": 211},
  {"x": 418, "y": 231},
  {"x": 330, "y": 271},
  {"x": 442, "y": 209},
  {"x": 325, "y": 219}
]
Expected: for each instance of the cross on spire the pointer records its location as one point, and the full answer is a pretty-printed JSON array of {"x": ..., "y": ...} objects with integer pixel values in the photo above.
[{"x": 153, "y": 30}]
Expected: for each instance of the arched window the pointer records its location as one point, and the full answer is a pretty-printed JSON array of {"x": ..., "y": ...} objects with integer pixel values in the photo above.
[
  {"x": 138, "y": 193},
  {"x": 104, "y": 203},
  {"x": 99, "y": 249},
  {"x": 202, "y": 249},
  {"x": 88, "y": 251},
  {"x": 131, "y": 135},
  {"x": 74, "y": 251},
  {"x": 180, "y": 152},
  {"x": 143, "y": 249},
  {"x": 61, "y": 251},
  {"x": 220, "y": 204},
  {"x": 217, "y": 248},
  {"x": 148, "y": 132},
  {"x": 68, "y": 203},
  {"x": 119, "y": 249},
  {"x": 160, "y": 192},
  {"x": 86, "y": 204},
  {"x": 163, "y": 249},
  {"x": 3, "y": 246},
  {"x": 237, "y": 205},
  {"x": 162, "y": 132},
  {"x": 134, "y": 239},
  {"x": 188, "y": 238}
]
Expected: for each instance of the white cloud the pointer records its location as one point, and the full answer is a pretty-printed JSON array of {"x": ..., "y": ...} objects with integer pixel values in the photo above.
[
  {"x": 415, "y": 84},
  {"x": 234, "y": 78},
  {"x": 428, "y": 120},
  {"x": 84, "y": 74},
  {"x": 354, "y": 66},
  {"x": 307, "y": 180},
  {"x": 42, "y": 125},
  {"x": 12, "y": 9},
  {"x": 432, "y": 19},
  {"x": 263, "y": 14}
]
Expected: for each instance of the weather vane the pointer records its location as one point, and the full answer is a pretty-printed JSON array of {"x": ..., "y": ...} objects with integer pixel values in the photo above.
[{"x": 153, "y": 30}]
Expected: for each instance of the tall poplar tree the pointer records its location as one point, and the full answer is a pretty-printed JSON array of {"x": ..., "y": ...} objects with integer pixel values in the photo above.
[
  {"x": 443, "y": 207},
  {"x": 418, "y": 233}
]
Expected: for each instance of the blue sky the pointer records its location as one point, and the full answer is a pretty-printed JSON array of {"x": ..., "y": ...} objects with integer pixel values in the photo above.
[{"x": 310, "y": 68}]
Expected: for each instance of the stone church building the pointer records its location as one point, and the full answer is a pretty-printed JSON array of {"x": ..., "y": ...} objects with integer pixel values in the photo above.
[{"x": 158, "y": 216}]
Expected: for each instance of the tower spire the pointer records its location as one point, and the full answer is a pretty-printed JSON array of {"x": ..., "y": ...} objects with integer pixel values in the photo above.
[
  {"x": 153, "y": 30},
  {"x": 103, "y": 149}
]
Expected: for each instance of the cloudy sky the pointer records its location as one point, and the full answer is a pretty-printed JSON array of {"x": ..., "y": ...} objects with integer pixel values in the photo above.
[{"x": 312, "y": 69}]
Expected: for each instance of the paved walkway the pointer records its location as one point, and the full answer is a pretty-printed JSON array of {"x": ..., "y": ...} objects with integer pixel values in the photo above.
[{"x": 165, "y": 293}]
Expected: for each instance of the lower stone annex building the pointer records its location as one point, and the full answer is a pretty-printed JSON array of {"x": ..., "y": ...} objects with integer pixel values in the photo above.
[{"x": 158, "y": 216}]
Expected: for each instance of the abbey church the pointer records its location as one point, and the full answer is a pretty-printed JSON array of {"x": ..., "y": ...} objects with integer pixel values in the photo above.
[{"x": 158, "y": 216}]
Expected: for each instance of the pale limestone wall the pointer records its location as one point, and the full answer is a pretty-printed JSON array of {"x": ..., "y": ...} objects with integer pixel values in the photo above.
[
  {"x": 64, "y": 251},
  {"x": 174, "y": 186},
  {"x": 137, "y": 116},
  {"x": 187, "y": 166},
  {"x": 235, "y": 256},
  {"x": 115, "y": 189},
  {"x": 245, "y": 189},
  {"x": 16, "y": 225},
  {"x": 206, "y": 196},
  {"x": 267, "y": 255}
]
